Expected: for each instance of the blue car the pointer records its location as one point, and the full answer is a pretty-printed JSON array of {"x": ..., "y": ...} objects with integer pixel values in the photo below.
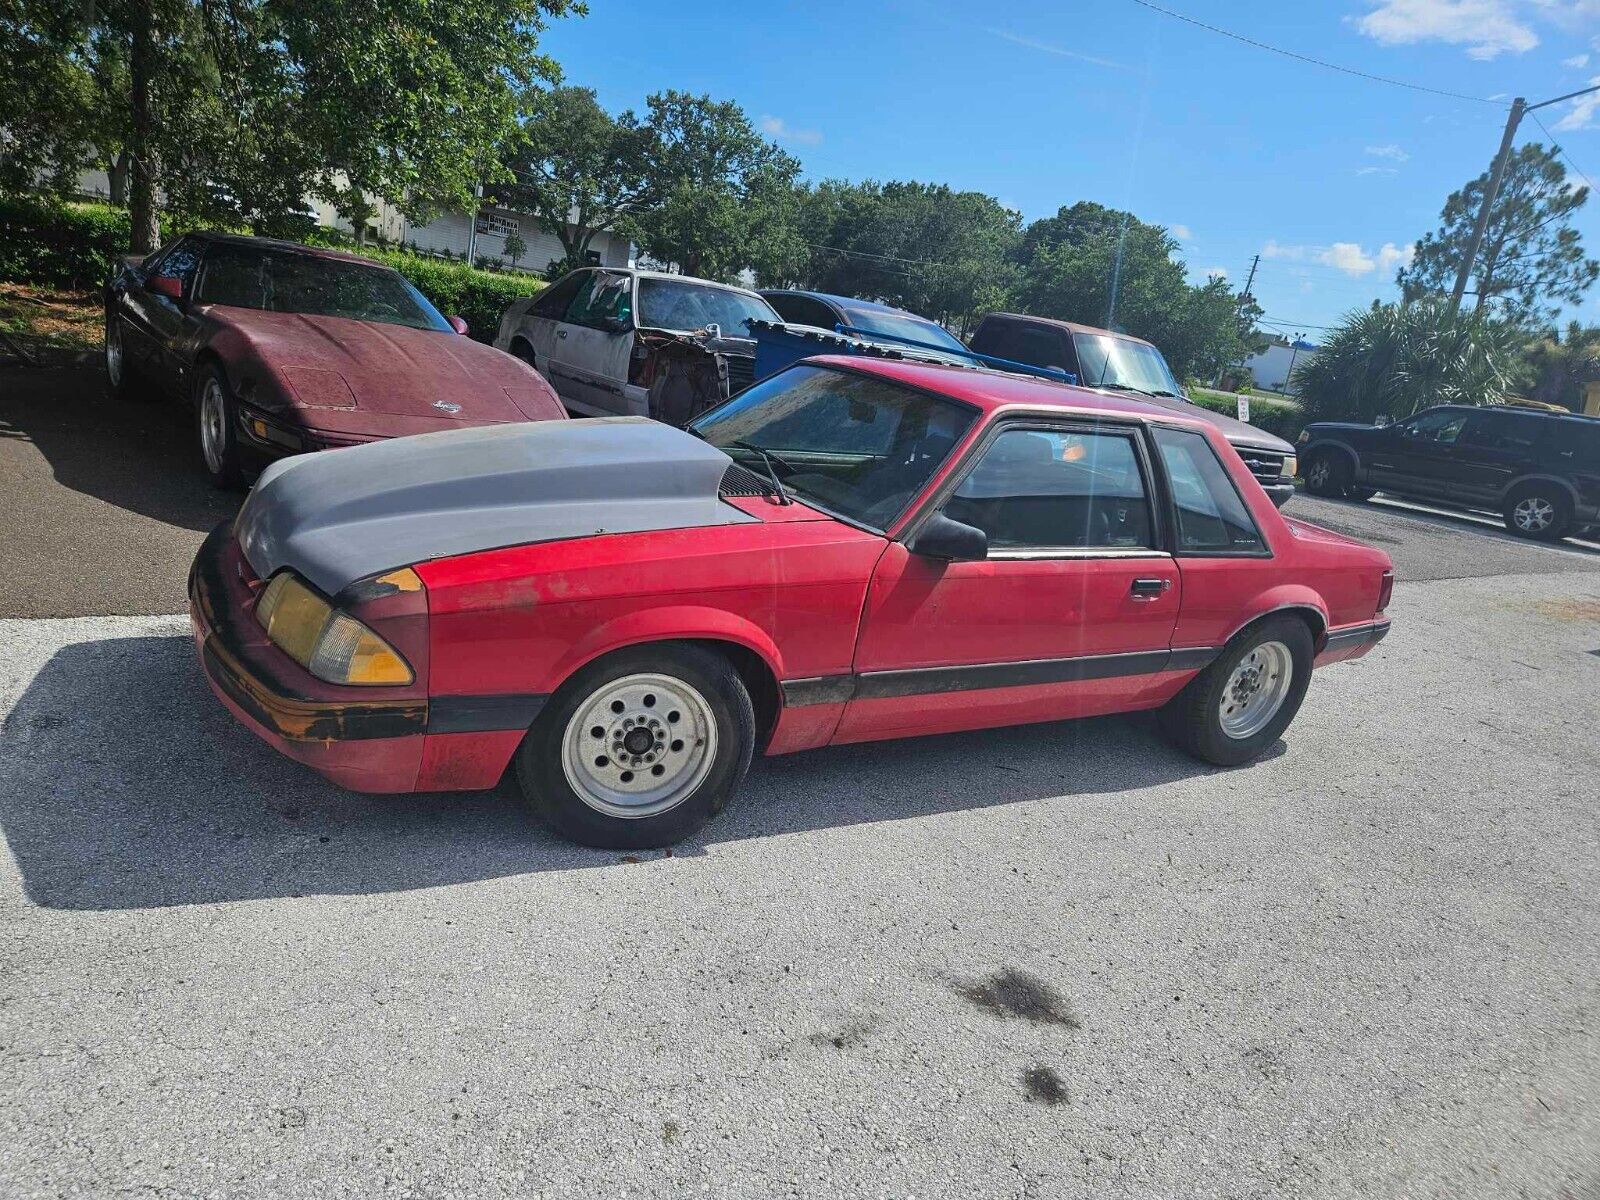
[{"x": 868, "y": 321}]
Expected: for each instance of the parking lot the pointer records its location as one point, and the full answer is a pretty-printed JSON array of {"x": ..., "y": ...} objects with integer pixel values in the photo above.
[{"x": 1062, "y": 960}]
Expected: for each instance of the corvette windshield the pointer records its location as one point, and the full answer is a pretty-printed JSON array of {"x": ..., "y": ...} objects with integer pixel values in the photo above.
[
  {"x": 275, "y": 281},
  {"x": 860, "y": 447}
]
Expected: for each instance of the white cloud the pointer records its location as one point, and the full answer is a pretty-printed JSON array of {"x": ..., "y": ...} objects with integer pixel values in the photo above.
[
  {"x": 1215, "y": 272},
  {"x": 777, "y": 127},
  {"x": 1487, "y": 28},
  {"x": 1390, "y": 151},
  {"x": 1052, "y": 48},
  {"x": 1350, "y": 258},
  {"x": 1377, "y": 170},
  {"x": 1274, "y": 250},
  {"x": 1581, "y": 115},
  {"x": 1392, "y": 256},
  {"x": 1577, "y": 62},
  {"x": 1181, "y": 232}
]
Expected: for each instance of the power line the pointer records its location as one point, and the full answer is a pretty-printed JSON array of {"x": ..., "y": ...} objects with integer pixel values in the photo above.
[
  {"x": 1317, "y": 62},
  {"x": 1562, "y": 150}
]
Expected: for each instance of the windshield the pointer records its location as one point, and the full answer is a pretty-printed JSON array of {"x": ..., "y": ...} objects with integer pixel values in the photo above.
[
  {"x": 279, "y": 281},
  {"x": 683, "y": 304},
  {"x": 860, "y": 447},
  {"x": 907, "y": 328},
  {"x": 1108, "y": 361}
]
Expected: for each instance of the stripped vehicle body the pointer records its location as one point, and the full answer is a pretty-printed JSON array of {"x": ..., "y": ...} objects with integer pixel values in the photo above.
[
  {"x": 623, "y": 342},
  {"x": 990, "y": 550}
]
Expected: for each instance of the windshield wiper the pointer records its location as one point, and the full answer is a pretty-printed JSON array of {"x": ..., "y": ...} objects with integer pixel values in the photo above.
[
  {"x": 772, "y": 471},
  {"x": 1126, "y": 387}
]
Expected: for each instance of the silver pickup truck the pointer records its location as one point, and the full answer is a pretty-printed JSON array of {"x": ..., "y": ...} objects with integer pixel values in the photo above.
[{"x": 624, "y": 342}]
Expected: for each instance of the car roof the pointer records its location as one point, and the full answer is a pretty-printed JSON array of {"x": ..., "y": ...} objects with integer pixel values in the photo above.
[
  {"x": 244, "y": 239},
  {"x": 1071, "y": 326},
  {"x": 845, "y": 302},
  {"x": 989, "y": 390},
  {"x": 643, "y": 274}
]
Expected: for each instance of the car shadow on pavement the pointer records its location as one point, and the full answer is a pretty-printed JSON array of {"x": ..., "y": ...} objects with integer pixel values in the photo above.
[
  {"x": 124, "y": 784},
  {"x": 139, "y": 455}
]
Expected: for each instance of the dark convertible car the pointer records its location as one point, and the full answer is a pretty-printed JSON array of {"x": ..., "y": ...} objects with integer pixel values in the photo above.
[{"x": 283, "y": 348}]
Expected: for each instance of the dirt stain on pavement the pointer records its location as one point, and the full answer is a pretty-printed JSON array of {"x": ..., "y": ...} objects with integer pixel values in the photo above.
[
  {"x": 1569, "y": 608},
  {"x": 1014, "y": 993},
  {"x": 1042, "y": 1085},
  {"x": 846, "y": 1037}
]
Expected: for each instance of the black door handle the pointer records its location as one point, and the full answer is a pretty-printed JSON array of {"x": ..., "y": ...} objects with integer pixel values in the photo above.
[{"x": 1149, "y": 589}]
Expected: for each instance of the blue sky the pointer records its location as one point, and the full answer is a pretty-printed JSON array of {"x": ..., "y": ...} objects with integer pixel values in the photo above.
[{"x": 1239, "y": 151}]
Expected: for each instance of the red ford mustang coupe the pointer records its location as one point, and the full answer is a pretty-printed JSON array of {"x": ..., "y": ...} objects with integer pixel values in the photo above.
[{"x": 851, "y": 549}]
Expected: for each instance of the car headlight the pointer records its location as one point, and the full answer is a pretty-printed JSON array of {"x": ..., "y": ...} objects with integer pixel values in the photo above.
[
  {"x": 1291, "y": 466},
  {"x": 332, "y": 645}
]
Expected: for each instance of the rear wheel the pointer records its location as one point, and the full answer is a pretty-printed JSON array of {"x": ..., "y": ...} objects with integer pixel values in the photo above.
[
  {"x": 1242, "y": 703},
  {"x": 215, "y": 418},
  {"x": 639, "y": 749},
  {"x": 1538, "y": 511},
  {"x": 1328, "y": 474}
]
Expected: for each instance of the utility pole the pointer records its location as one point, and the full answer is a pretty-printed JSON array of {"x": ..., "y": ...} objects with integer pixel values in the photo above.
[
  {"x": 1519, "y": 109},
  {"x": 1244, "y": 298}
]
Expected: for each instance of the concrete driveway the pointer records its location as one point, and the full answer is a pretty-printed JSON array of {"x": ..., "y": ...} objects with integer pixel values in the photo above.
[{"x": 1054, "y": 961}]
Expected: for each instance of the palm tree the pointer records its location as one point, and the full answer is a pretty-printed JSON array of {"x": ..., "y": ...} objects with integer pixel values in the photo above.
[
  {"x": 1561, "y": 368},
  {"x": 1395, "y": 359}
]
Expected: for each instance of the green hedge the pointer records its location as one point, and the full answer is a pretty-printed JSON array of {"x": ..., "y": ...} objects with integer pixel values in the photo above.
[
  {"x": 60, "y": 245},
  {"x": 75, "y": 245},
  {"x": 1273, "y": 416}
]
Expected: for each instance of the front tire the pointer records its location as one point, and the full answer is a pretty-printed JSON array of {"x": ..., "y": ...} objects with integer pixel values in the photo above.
[
  {"x": 216, "y": 429},
  {"x": 1328, "y": 474},
  {"x": 639, "y": 749},
  {"x": 1242, "y": 703},
  {"x": 1538, "y": 512},
  {"x": 120, "y": 377}
]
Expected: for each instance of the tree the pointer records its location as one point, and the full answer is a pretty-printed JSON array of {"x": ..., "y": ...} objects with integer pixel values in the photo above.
[
  {"x": 515, "y": 247},
  {"x": 1395, "y": 359},
  {"x": 720, "y": 193},
  {"x": 577, "y": 168},
  {"x": 1531, "y": 255},
  {"x": 1559, "y": 369}
]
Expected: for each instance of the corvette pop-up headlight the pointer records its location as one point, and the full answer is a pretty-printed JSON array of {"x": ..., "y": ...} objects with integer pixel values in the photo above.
[{"x": 332, "y": 645}]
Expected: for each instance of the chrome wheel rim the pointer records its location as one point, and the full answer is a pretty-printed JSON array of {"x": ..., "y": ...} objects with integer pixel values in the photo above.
[
  {"x": 213, "y": 426},
  {"x": 639, "y": 746},
  {"x": 1318, "y": 474},
  {"x": 1256, "y": 689},
  {"x": 114, "y": 351},
  {"x": 1533, "y": 513}
]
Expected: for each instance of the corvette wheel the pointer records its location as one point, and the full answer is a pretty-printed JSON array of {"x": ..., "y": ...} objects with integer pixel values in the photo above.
[
  {"x": 119, "y": 372},
  {"x": 1242, "y": 703},
  {"x": 219, "y": 440},
  {"x": 639, "y": 749}
]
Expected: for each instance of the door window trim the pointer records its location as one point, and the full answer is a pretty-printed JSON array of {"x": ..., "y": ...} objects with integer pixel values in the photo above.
[
  {"x": 1170, "y": 503},
  {"x": 1112, "y": 426}
]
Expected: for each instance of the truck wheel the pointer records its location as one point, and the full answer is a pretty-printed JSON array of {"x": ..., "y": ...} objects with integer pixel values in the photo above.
[
  {"x": 215, "y": 418},
  {"x": 1242, "y": 703},
  {"x": 1538, "y": 511},
  {"x": 639, "y": 749},
  {"x": 1328, "y": 474}
]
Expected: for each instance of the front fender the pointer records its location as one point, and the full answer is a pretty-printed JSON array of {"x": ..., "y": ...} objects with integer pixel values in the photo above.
[{"x": 671, "y": 623}]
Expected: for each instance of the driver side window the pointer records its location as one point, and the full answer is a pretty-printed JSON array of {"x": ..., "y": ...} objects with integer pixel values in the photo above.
[{"x": 1444, "y": 426}]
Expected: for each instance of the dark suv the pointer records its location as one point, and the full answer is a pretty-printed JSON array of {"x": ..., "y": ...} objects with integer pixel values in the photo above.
[
  {"x": 1118, "y": 362},
  {"x": 1540, "y": 470}
]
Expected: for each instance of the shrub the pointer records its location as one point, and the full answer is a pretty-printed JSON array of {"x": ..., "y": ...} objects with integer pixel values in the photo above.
[
  {"x": 477, "y": 297},
  {"x": 59, "y": 245},
  {"x": 1281, "y": 418}
]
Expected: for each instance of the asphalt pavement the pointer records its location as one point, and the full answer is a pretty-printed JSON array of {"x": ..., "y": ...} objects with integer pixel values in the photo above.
[{"x": 1056, "y": 961}]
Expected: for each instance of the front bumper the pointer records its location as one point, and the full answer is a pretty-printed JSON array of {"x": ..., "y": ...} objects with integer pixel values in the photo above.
[
  {"x": 373, "y": 743},
  {"x": 1279, "y": 493}
]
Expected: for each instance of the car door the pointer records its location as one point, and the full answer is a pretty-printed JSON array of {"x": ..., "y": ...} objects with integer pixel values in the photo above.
[
  {"x": 1494, "y": 448},
  {"x": 1071, "y": 613},
  {"x": 153, "y": 322},
  {"x": 1413, "y": 456},
  {"x": 593, "y": 341},
  {"x": 541, "y": 322}
]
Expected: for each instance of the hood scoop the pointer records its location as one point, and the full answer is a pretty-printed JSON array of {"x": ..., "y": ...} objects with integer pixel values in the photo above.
[{"x": 342, "y": 515}]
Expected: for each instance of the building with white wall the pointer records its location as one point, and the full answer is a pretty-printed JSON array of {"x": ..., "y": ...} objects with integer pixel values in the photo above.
[{"x": 1270, "y": 368}]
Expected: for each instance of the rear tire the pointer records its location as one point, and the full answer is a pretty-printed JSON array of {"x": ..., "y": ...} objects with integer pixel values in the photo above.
[
  {"x": 1242, "y": 702},
  {"x": 1539, "y": 512},
  {"x": 639, "y": 749},
  {"x": 1328, "y": 474},
  {"x": 216, "y": 429}
]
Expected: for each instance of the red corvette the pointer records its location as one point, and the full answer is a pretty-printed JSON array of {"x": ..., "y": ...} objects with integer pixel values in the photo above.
[
  {"x": 851, "y": 549},
  {"x": 282, "y": 348}
]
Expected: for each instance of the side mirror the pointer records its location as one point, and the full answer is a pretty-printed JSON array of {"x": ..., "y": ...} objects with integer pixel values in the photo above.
[
  {"x": 166, "y": 285},
  {"x": 457, "y": 324},
  {"x": 950, "y": 540}
]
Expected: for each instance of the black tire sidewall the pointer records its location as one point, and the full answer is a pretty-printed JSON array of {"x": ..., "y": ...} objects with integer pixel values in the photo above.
[
  {"x": 1558, "y": 528},
  {"x": 232, "y": 473},
  {"x": 544, "y": 782},
  {"x": 1338, "y": 475},
  {"x": 1196, "y": 720}
]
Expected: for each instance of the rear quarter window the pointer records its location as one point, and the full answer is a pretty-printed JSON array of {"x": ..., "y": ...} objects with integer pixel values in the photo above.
[{"x": 1212, "y": 517}]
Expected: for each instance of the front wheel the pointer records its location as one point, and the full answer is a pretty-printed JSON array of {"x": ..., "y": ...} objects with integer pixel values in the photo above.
[
  {"x": 1538, "y": 512},
  {"x": 1328, "y": 475},
  {"x": 639, "y": 749},
  {"x": 123, "y": 383},
  {"x": 1242, "y": 703},
  {"x": 215, "y": 415}
]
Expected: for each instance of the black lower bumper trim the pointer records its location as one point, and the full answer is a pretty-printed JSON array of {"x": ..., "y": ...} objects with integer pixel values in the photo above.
[
  {"x": 1357, "y": 635},
  {"x": 483, "y": 714}
]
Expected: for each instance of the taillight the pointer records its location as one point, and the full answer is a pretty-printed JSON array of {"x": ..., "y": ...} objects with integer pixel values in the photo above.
[{"x": 1385, "y": 590}]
